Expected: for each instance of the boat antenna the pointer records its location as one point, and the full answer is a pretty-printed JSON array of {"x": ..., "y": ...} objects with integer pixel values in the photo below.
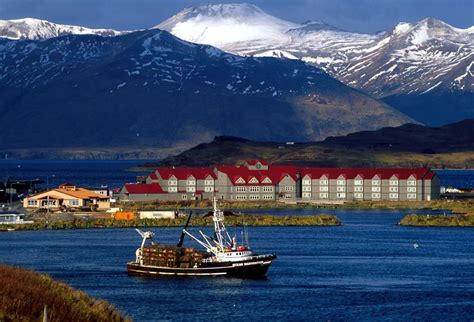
[{"x": 181, "y": 238}]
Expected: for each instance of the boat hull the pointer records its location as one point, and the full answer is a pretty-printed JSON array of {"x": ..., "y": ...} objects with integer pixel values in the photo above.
[{"x": 250, "y": 268}]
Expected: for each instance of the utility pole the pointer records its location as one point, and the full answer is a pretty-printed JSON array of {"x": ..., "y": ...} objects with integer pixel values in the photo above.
[{"x": 47, "y": 190}]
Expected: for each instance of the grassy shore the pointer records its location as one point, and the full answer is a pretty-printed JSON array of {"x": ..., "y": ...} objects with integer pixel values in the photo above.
[
  {"x": 438, "y": 220},
  {"x": 24, "y": 294},
  {"x": 241, "y": 220}
]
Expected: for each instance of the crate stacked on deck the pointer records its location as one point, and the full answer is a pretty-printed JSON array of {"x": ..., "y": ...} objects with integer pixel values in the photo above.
[{"x": 168, "y": 256}]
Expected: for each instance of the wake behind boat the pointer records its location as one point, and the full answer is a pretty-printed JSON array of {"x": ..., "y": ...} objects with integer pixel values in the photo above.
[{"x": 222, "y": 255}]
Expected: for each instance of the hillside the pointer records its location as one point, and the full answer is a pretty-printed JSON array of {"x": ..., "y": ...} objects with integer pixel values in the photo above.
[
  {"x": 151, "y": 89},
  {"x": 450, "y": 146},
  {"x": 422, "y": 68},
  {"x": 24, "y": 294}
]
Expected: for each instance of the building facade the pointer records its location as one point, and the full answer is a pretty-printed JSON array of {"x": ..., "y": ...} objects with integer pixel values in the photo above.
[
  {"x": 257, "y": 180},
  {"x": 67, "y": 197}
]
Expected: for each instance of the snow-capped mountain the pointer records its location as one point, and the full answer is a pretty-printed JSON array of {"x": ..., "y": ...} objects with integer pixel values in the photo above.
[
  {"x": 411, "y": 58},
  {"x": 29, "y": 28},
  {"x": 151, "y": 88}
]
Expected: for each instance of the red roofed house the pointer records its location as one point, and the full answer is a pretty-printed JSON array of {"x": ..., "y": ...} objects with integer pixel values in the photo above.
[
  {"x": 257, "y": 180},
  {"x": 141, "y": 192}
]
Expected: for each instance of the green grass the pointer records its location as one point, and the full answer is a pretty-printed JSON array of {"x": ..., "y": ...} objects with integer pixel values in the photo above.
[
  {"x": 438, "y": 220},
  {"x": 24, "y": 294},
  {"x": 247, "y": 220}
]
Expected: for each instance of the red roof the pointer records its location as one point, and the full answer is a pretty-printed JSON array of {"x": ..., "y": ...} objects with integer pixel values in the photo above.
[
  {"x": 254, "y": 162},
  {"x": 153, "y": 176},
  {"x": 185, "y": 173},
  {"x": 368, "y": 173},
  {"x": 142, "y": 188},
  {"x": 275, "y": 174}
]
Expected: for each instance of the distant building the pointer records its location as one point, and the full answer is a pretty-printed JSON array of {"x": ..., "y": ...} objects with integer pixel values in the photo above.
[
  {"x": 257, "y": 180},
  {"x": 13, "y": 218},
  {"x": 67, "y": 196}
]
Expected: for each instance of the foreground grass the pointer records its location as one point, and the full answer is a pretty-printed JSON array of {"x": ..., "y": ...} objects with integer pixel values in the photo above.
[
  {"x": 247, "y": 220},
  {"x": 23, "y": 295}
]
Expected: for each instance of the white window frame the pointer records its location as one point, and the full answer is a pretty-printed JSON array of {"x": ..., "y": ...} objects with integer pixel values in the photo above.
[
  {"x": 324, "y": 188},
  {"x": 172, "y": 189},
  {"x": 323, "y": 182},
  {"x": 73, "y": 202},
  {"x": 267, "y": 197},
  {"x": 323, "y": 195},
  {"x": 307, "y": 182},
  {"x": 341, "y": 195},
  {"x": 341, "y": 182},
  {"x": 340, "y": 188},
  {"x": 32, "y": 202},
  {"x": 190, "y": 189},
  {"x": 254, "y": 197},
  {"x": 289, "y": 188},
  {"x": 376, "y": 182},
  {"x": 358, "y": 195},
  {"x": 306, "y": 188},
  {"x": 393, "y": 195},
  {"x": 358, "y": 182},
  {"x": 267, "y": 188},
  {"x": 359, "y": 189},
  {"x": 172, "y": 182},
  {"x": 208, "y": 182},
  {"x": 254, "y": 189},
  {"x": 393, "y": 189},
  {"x": 393, "y": 182},
  {"x": 208, "y": 189},
  {"x": 375, "y": 195}
]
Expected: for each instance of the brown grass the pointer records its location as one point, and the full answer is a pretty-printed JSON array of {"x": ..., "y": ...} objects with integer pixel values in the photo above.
[{"x": 23, "y": 295}]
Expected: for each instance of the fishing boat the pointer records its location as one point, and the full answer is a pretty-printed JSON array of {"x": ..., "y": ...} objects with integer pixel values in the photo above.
[{"x": 221, "y": 255}]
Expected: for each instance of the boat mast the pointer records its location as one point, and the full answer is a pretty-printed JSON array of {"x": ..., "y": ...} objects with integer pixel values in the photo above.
[{"x": 219, "y": 227}]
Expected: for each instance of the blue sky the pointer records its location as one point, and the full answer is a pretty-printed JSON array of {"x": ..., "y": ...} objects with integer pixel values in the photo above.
[{"x": 354, "y": 15}]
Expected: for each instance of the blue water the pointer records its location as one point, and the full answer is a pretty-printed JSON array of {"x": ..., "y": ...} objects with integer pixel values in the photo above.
[
  {"x": 456, "y": 178},
  {"x": 364, "y": 270},
  {"x": 82, "y": 173}
]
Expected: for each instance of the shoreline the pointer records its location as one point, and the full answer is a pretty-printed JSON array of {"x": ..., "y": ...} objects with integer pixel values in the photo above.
[{"x": 318, "y": 220}]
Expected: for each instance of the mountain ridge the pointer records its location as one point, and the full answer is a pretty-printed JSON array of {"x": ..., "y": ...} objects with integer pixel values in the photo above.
[{"x": 149, "y": 88}]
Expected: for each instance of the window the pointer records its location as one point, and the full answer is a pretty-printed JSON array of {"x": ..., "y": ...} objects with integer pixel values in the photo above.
[
  {"x": 411, "y": 189},
  {"x": 376, "y": 182},
  {"x": 376, "y": 195},
  {"x": 240, "y": 197},
  {"x": 341, "y": 195},
  {"x": 359, "y": 189},
  {"x": 288, "y": 196},
  {"x": 184, "y": 197},
  {"x": 191, "y": 182},
  {"x": 411, "y": 183},
  {"x": 288, "y": 188},
  {"x": 341, "y": 188},
  {"x": 267, "y": 197},
  {"x": 393, "y": 195},
  {"x": 393, "y": 182},
  {"x": 172, "y": 189},
  {"x": 32, "y": 202},
  {"x": 253, "y": 180},
  {"x": 240, "y": 189},
  {"x": 323, "y": 182},
  {"x": 267, "y": 180},
  {"x": 254, "y": 189},
  {"x": 411, "y": 196},
  {"x": 323, "y": 195},
  {"x": 359, "y": 195},
  {"x": 190, "y": 189},
  {"x": 267, "y": 188},
  {"x": 358, "y": 182},
  {"x": 74, "y": 202},
  {"x": 326, "y": 188},
  {"x": 306, "y": 188},
  {"x": 208, "y": 189},
  {"x": 306, "y": 194},
  {"x": 172, "y": 182},
  {"x": 209, "y": 182},
  {"x": 341, "y": 182},
  {"x": 307, "y": 182},
  {"x": 240, "y": 180},
  {"x": 375, "y": 189},
  {"x": 393, "y": 189},
  {"x": 254, "y": 197}
]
